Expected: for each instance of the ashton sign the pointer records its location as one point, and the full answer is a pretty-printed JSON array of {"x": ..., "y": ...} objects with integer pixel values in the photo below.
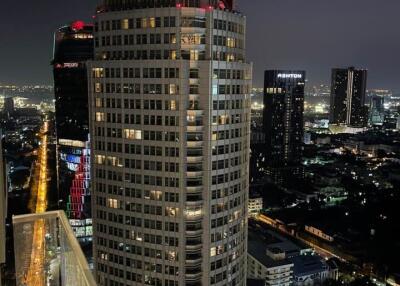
[{"x": 290, "y": 75}]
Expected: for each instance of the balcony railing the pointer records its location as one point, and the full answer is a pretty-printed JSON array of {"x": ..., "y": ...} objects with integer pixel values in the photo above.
[{"x": 47, "y": 252}]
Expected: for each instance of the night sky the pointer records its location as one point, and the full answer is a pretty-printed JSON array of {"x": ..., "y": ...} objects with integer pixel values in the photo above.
[{"x": 314, "y": 35}]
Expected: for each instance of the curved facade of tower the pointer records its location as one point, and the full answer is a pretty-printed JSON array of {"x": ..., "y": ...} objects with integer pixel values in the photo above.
[{"x": 170, "y": 126}]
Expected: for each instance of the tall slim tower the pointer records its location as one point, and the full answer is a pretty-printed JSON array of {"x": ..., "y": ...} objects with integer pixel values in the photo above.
[
  {"x": 3, "y": 209},
  {"x": 348, "y": 97},
  {"x": 377, "y": 111},
  {"x": 72, "y": 48},
  {"x": 170, "y": 124},
  {"x": 283, "y": 122}
]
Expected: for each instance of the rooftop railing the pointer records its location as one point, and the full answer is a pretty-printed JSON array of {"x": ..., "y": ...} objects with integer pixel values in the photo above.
[{"x": 47, "y": 252}]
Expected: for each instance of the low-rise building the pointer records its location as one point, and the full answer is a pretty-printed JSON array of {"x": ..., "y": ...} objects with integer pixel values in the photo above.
[
  {"x": 320, "y": 233},
  {"x": 279, "y": 261},
  {"x": 309, "y": 270},
  {"x": 255, "y": 205},
  {"x": 268, "y": 264}
]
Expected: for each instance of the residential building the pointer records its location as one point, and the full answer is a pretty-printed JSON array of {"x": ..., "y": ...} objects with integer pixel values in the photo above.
[
  {"x": 283, "y": 123},
  {"x": 279, "y": 261},
  {"x": 170, "y": 126},
  {"x": 348, "y": 97},
  {"x": 268, "y": 264},
  {"x": 255, "y": 205},
  {"x": 377, "y": 111}
]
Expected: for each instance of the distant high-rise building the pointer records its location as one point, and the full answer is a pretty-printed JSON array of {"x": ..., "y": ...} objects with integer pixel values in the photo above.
[
  {"x": 9, "y": 107},
  {"x": 377, "y": 110},
  {"x": 3, "y": 210},
  {"x": 283, "y": 122},
  {"x": 170, "y": 129},
  {"x": 348, "y": 97},
  {"x": 72, "y": 48}
]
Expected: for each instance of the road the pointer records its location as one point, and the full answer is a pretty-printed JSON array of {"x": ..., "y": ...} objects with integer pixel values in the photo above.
[
  {"x": 35, "y": 275},
  {"x": 321, "y": 251}
]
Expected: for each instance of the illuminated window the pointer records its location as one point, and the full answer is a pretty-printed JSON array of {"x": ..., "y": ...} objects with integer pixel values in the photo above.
[
  {"x": 98, "y": 87},
  {"x": 173, "y": 105},
  {"x": 173, "y": 39},
  {"x": 113, "y": 203},
  {"x": 100, "y": 117},
  {"x": 193, "y": 211},
  {"x": 215, "y": 89},
  {"x": 173, "y": 89},
  {"x": 194, "y": 55},
  {"x": 144, "y": 22},
  {"x": 230, "y": 42},
  {"x": 99, "y": 102},
  {"x": 171, "y": 255},
  {"x": 98, "y": 72},
  {"x": 223, "y": 119},
  {"x": 125, "y": 24},
  {"x": 230, "y": 57},
  {"x": 171, "y": 212},
  {"x": 114, "y": 161},
  {"x": 100, "y": 159},
  {"x": 152, "y": 22},
  {"x": 133, "y": 134},
  {"x": 213, "y": 251}
]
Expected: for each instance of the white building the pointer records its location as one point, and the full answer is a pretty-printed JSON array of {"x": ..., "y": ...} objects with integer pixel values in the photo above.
[
  {"x": 255, "y": 206},
  {"x": 268, "y": 264},
  {"x": 170, "y": 125}
]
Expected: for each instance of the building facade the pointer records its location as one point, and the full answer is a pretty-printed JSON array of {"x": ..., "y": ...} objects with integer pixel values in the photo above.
[
  {"x": 377, "y": 111},
  {"x": 268, "y": 264},
  {"x": 170, "y": 130},
  {"x": 255, "y": 206},
  {"x": 283, "y": 122},
  {"x": 3, "y": 209},
  {"x": 73, "y": 46},
  {"x": 348, "y": 91}
]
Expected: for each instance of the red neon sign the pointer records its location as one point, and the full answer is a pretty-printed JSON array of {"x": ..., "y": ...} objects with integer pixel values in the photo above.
[{"x": 77, "y": 25}]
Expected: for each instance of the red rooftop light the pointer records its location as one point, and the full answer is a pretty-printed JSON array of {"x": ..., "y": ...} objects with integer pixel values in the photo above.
[
  {"x": 77, "y": 25},
  {"x": 178, "y": 5}
]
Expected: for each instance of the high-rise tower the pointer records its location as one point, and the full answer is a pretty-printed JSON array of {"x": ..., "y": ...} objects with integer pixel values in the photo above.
[
  {"x": 72, "y": 48},
  {"x": 377, "y": 111},
  {"x": 3, "y": 209},
  {"x": 283, "y": 122},
  {"x": 348, "y": 97},
  {"x": 170, "y": 121}
]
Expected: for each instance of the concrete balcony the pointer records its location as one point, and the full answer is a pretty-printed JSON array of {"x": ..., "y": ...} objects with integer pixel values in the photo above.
[
  {"x": 195, "y": 112},
  {"x": 193, "y": 276},
  {"x": 197, "y": 159},
  {"x": 194, "y": 189},
  {"x": 47, "y": 252},
  {"x": 194, "y": 174},
  {"x": 194, "y": 144},
  {"x": 196, "y": 232},
  {"x": 195, "y": 128}
]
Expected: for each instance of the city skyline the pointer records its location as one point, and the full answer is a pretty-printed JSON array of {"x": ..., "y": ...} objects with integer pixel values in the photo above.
[
  {"x": 152, "y": 160},
  {"x": 314, "y": 48}
]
